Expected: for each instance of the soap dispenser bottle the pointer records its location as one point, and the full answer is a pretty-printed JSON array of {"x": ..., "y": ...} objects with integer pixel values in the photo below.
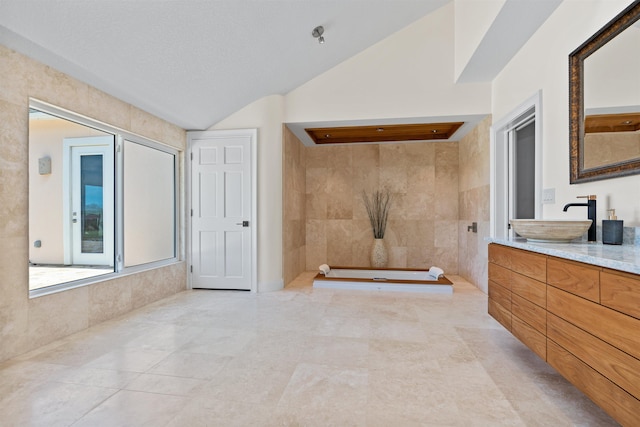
[{"x": 612, "y": 229}]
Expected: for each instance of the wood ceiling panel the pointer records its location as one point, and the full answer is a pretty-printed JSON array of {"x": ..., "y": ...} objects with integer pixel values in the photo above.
[
  {"x": 383, "y": 133},
  {"x": 625, "y": 122}
]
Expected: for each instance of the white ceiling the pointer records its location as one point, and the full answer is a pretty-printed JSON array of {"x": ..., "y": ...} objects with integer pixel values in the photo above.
[{"x": 194, "y": 62}]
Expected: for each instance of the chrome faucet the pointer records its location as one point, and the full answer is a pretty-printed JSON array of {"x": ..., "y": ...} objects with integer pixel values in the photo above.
[{"x": 591, "y": 214}]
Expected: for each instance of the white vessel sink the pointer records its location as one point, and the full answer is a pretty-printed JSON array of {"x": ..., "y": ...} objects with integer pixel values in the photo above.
[{"x": 550, "y": 230}]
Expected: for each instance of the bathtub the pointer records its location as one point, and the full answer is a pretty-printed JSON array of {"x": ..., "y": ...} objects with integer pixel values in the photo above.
[{"x": 398, "y": 280}]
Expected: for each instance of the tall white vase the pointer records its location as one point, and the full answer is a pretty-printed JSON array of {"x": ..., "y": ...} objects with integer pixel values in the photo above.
[{"x": 379, "y": 256}]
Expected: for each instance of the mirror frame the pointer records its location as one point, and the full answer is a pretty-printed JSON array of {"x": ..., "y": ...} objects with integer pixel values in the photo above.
[{"x": 625, "y": 19}]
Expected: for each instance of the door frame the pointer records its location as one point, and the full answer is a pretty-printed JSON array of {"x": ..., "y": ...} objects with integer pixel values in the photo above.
[
  {"x": 67, "y": 191},
  {"x": 500, "y": 164},
  {"x": 218, "y": 135}
]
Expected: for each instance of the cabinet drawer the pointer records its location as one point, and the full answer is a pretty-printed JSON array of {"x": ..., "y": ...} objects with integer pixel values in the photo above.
[
  {"x": 529, "y": 289},
  {"x": 501, "y": 314},
  {"x": 579, "y": 279},
  {"x": 529, "y": 264},
  {"x": 532, "y": 314},
  {"x": 500, "y": 295},
  {"x": 530, "y": 337},
  {"x": 500, "y": 275},
  {"x": 620, "y": 292},
  {"x": 613, "y": 399},
  {"x": 614, "y": 364},
  {"x": 500, "y": 255},
  {"x": 616, "y": 328}
]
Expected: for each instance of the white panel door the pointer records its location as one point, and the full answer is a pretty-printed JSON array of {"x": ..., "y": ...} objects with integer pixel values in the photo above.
[{"x": 221, "y": 198}]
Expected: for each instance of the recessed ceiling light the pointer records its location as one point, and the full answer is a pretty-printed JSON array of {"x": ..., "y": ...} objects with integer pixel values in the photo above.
[
  {"x": 627, "y": 122},
  {"x": 434, "y": 131},
  {"x": 327, "y": 135},
  {"x": 380, "y": 130}
]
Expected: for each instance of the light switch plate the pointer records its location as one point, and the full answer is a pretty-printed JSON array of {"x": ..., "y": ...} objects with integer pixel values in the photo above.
[{"x": 548, "y": 196}]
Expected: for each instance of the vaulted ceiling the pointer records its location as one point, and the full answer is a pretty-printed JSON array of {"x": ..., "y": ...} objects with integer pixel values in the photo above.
[{"x": 194, "y": 62}]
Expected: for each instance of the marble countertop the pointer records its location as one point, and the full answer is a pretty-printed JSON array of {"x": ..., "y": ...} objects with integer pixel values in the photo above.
[{"x": 617, "y": 257}]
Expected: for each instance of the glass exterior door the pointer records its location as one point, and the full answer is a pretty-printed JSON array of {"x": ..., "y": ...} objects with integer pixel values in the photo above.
[{"x": 91, "y": 182}]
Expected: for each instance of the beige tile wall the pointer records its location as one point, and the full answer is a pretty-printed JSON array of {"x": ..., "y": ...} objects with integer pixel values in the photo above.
[
  {"x": 423, "y": 221},
  {"x": 439, "y": 190},
  {"x": 601, "y": 149},
  {"x": 294, "y": 206},
  {"x": 29, "y": 323},
  {"x": 474, "y": 204}
]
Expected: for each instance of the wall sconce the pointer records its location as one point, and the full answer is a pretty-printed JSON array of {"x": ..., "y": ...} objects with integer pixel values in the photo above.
[
  {"x": 317, "y": 33},
  {"x": 44, "y": 165}
]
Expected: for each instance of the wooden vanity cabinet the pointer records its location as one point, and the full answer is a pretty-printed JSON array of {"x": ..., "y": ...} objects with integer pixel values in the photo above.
[
  {"x": 620, "y": 291},
  {"x": 577, "y": 278},
  {"x": 517, "y": 294},
  {"x": 582, "y": 319}
]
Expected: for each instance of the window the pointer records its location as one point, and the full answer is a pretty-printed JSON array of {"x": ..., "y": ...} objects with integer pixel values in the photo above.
[
  {"x": 102, "y": 201},
  {"x": 148, "y": 215}
]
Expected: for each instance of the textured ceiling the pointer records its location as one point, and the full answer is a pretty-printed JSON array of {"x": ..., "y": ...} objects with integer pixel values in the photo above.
[{"x": 194, "y": 62}]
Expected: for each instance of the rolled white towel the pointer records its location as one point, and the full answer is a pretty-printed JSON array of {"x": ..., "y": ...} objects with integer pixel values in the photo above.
[
  {"x": 324, "y": 269},
  {"x": 436, "y": 272}
]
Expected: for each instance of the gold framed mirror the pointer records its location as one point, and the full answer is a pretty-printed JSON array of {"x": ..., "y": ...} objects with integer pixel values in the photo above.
[{"x": 604, "y": 101}]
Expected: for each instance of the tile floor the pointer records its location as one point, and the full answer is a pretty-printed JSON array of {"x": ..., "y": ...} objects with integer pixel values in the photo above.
[{"x": 299, "y": 357}]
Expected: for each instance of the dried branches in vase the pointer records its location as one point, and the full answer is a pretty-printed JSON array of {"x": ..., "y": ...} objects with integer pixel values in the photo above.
[{"x": 378, "y": 205}]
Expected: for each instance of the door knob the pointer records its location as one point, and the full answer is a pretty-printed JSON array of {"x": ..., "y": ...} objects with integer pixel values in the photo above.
[{"x": 243, "y": 223}]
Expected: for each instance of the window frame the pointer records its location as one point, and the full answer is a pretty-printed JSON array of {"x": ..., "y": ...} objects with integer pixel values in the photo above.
[{"x": 119, "y": 157}]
